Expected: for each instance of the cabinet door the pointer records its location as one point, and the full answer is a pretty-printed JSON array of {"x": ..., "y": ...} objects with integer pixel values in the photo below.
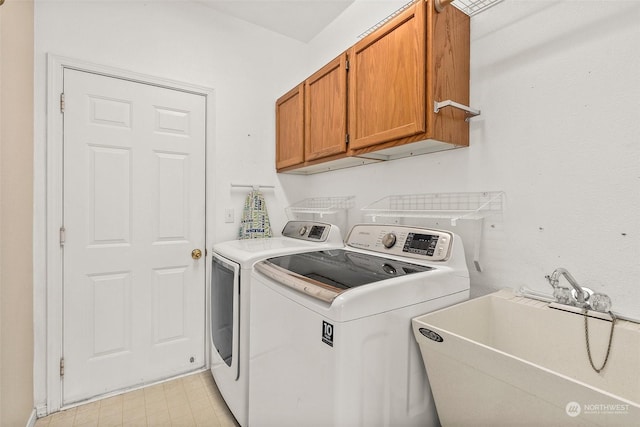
[
  {"x": 387, "y": 81},
  {"x": 290, "y": 128},
  {"x": 326, "y": 110}
]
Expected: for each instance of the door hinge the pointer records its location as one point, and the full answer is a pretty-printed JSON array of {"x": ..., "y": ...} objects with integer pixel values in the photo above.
[
  {"x": 346, "y": 139},
  {"x": 62, "y": 366},
  {"x": 346, "y": 65},
  {"x": 62, "y": 102},
  {"x": 63, "y": 235}
]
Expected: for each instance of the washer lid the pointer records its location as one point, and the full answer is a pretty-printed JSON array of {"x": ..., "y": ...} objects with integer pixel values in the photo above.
[{"x": 325, "y": 274}]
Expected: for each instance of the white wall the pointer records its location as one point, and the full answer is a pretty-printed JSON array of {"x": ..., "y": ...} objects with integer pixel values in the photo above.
[{"x": 558, "y": 86}]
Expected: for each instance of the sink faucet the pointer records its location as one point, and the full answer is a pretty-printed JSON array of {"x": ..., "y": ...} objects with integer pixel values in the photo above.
[{"x": 581, "y": 295}]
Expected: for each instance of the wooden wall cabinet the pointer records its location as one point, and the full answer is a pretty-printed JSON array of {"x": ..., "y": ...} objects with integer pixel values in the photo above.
[
  {"x": 395, "y": 75},
  {"x": 387, "y": 81},
  {"x": 290, "y": 128},
  {"x": 323, "y": 143},
  {"x": 326, "y": 111},
  {"x": 311, "y": 119}
]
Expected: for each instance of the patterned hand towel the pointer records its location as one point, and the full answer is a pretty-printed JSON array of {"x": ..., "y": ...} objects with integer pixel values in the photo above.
[{"x": 255, "y": 219}]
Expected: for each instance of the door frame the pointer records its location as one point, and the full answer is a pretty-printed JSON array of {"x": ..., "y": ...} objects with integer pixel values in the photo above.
[{"x": 50, "y": 322}]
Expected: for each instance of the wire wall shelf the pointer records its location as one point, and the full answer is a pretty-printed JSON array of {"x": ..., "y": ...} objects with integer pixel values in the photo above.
[
  {"x": 385, "y": 19},
  {"x": 453, "y": 206},
  {"x": 320, "y": 206},
  {"x": 470, "y": 7},
  {"x": 333, "y": 210},
  {"x": 474, "y": 7}
]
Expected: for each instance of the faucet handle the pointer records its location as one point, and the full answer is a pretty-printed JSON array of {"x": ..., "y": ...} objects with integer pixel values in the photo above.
[
  {"x": 600, "y": 302},
  {"x": 562, "y": 295}
]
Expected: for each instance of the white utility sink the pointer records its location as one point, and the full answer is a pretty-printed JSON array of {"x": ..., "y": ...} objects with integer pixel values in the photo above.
[{"x": 503, "y": 359}]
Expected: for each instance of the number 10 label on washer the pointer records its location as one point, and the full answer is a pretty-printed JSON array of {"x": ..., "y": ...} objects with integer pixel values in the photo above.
[{"x": 327, "y": 333}]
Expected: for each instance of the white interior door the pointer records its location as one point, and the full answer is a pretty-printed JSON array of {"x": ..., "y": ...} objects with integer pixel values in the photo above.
[{"x": 134, "y": 210}]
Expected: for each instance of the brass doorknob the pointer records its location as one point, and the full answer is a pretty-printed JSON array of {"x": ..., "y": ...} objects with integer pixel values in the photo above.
[{"x": 196, "y": 254}]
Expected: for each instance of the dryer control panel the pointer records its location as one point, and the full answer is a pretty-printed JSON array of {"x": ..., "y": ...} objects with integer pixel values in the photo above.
[
  {"x": 412, "y": 242},
  {"x": 307, "y": 230}
]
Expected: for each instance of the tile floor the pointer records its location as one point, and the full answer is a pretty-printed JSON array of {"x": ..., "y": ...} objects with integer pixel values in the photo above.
[{"x": 193, "y": 400}]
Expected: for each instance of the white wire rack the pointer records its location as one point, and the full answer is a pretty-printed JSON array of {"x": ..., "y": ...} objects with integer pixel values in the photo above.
[
  {"x": 320, "y": 206},
  {"x": 470, "y": 7},
  {"x": 385, "y": 19},
  {"x": 454, "y": 206},
  {"x": 334, "y": 210},
  {"x": 473, "y": 7}
]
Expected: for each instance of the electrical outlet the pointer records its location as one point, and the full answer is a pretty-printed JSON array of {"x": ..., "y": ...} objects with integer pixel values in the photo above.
[{"x": 228, "y": 215}]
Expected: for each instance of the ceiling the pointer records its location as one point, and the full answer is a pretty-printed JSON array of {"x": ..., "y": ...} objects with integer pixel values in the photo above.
[{"x": 299, "y": 19}]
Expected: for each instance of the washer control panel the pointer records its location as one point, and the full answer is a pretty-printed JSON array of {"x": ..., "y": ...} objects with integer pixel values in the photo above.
[
  {"x": 412, "y": 242},
  {"x": 307, "y": 230}
]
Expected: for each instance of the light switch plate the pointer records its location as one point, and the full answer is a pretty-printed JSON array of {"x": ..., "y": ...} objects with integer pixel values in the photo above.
[{"x": 228, "y": 215}]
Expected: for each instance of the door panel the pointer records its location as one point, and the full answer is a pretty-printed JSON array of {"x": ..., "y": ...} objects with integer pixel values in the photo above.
[
  {"x": 111, "y": 301},
  {"x": 134, "y": 202},
  {"x": 109, "y": 199},
  {"x": 168, "y": 297},
  {"x": 172, "y": 186}
]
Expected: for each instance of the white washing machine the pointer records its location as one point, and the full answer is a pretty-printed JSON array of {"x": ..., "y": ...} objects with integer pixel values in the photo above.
[
  {"x": 230, "y": 295},
  {"x": 331, "y": 339}
]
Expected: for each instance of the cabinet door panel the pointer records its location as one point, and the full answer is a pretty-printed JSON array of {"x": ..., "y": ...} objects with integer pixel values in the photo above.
[
  {"x": 387, "y": 81},
  {"x": 290, "y": 128},
  {"x": 326, "y": 110}
]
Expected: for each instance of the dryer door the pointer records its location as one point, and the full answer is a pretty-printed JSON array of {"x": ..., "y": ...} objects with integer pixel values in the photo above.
[{"x": 225, "y": 314}]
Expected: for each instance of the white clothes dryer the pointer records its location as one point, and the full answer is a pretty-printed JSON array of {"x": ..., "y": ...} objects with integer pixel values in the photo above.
[
  {"x": 331, "y": 338},
  {"x": 229, "y": 293}
]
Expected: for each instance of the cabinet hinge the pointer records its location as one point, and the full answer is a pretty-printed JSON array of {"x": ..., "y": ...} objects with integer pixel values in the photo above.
[
  {"x": 62, "y": 366},
  {"x": 62, "y": 102},
  {"x": 63, "y": 235},
  {"x": 346, "y": 66},
  {"x": 346, "y": 139}
]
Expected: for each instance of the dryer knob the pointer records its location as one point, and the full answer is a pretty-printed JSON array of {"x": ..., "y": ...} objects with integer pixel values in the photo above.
[
  {"x": 388, "y": 240},
  {"x": 303, "y": 230}
]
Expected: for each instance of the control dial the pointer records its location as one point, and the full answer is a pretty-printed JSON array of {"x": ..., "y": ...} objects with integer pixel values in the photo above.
[
  {"x": 388, "y": 240},
  {"x": 303, "y": 230}
]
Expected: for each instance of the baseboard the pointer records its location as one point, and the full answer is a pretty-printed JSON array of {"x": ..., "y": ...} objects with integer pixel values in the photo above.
[{"x": 32, "y": 419}]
